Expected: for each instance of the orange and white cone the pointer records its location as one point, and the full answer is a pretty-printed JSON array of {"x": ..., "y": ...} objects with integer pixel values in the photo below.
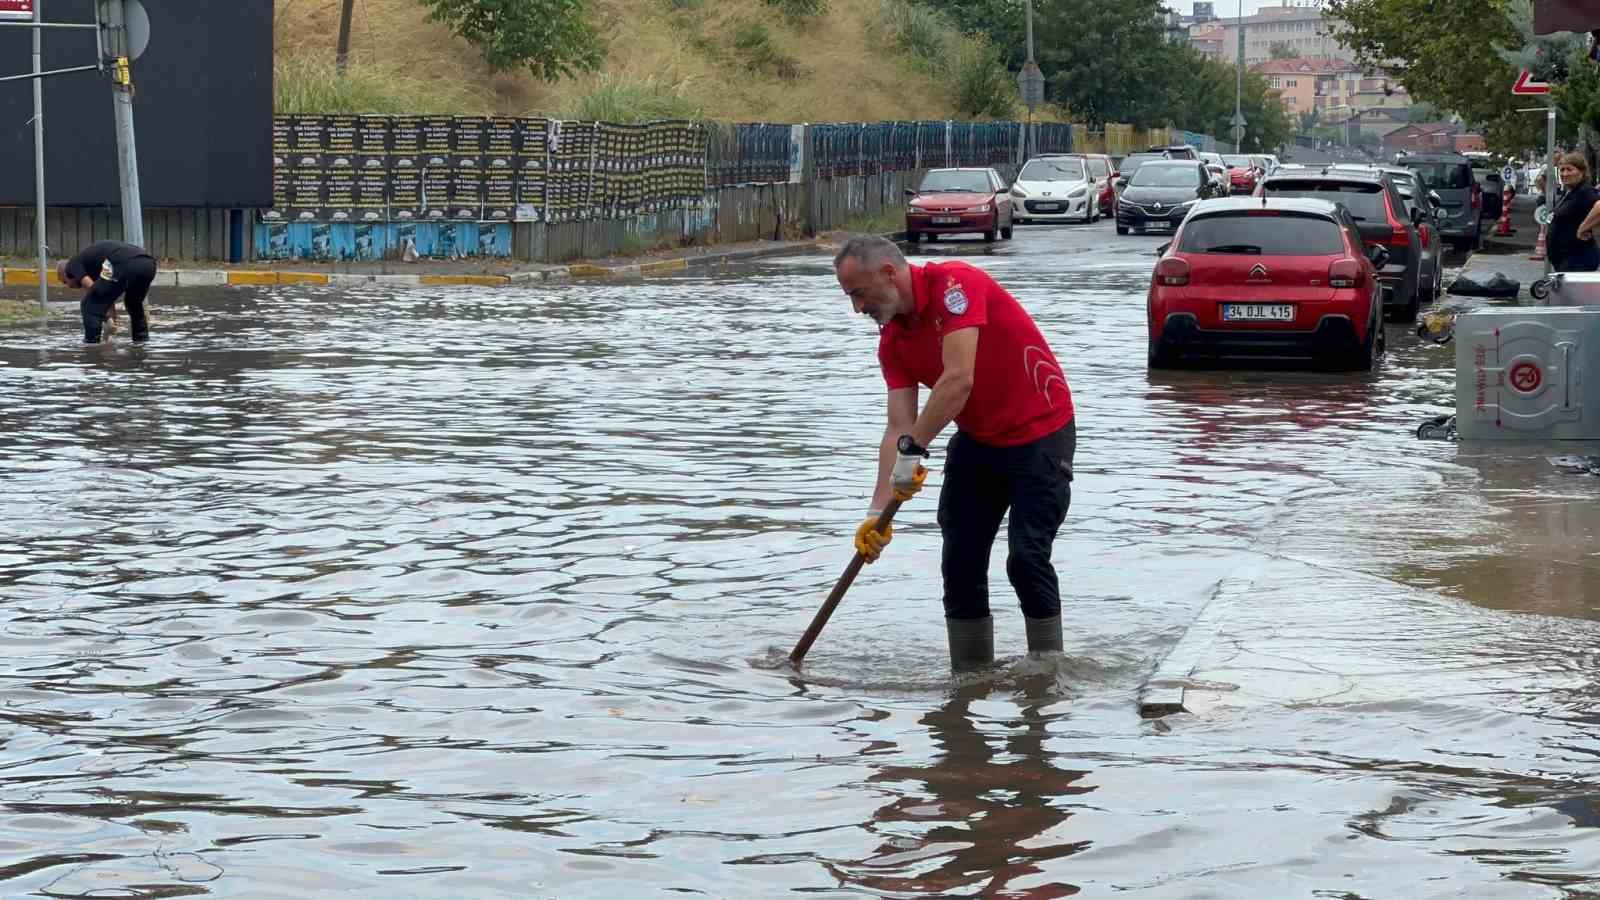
[
  {"x": 1503, "y": 227},
  {"x": 1539, "y": 247}
]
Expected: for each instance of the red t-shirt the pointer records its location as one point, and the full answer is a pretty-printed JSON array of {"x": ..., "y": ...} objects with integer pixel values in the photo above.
[{"x": 1019, "y": 391}]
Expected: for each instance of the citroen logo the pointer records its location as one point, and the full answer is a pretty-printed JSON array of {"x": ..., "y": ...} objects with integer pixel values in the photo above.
[{"x": 1259, "y": 273}]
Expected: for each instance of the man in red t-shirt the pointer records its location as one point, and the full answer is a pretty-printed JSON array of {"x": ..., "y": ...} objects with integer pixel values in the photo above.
[{"x": 950, "y": 327}]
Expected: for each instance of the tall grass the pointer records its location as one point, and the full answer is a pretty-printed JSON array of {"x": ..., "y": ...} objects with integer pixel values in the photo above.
[
  {"x": 969, "y": 64},
  {"x": 760, "y": 51},
  {"x": 621, "y": 99},
  {"x": 303, "y": 83},
  {"x": 922, "y": 32}
]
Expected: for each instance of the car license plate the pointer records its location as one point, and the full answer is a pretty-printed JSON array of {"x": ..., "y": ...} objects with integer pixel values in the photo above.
[
  {"x": 1047, "y": 207},
  {"x": 947, "y": 220},
  {"x": 1257, "y": 312}
]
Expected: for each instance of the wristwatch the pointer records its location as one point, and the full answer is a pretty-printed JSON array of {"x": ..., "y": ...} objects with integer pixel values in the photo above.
[{"x": 908, "y": 447}]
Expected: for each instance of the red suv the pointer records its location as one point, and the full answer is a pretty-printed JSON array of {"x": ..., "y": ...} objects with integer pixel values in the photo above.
[{"x": 1267, "y": 278}]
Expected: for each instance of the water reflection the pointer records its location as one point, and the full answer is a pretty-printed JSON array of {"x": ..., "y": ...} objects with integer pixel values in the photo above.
[{"x": 987, "y": 815}]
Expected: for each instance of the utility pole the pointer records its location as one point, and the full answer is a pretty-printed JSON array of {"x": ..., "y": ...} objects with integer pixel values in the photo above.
[
  {"x": 122, "y": 101},
  {"x": 1238, "y": 93},
  {"x": 344, "y": 35},
  {"x": 1030, "y": 81},
  {"x": 38, "y": 151},
  {"x": 1032, "y": 143}
]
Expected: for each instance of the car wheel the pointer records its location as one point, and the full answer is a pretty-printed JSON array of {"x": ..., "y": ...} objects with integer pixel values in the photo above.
[
  {"x": 988, "y": 236},
  {"x": 1365, "y": 358},
  {"x": 1122, "y": 229},
  {"x": 1159, "y": 357},
  {"x": 1006, "y": 232}
]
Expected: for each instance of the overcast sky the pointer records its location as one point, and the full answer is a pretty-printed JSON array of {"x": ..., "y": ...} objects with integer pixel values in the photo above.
[{"x": 1225, "y": 8}]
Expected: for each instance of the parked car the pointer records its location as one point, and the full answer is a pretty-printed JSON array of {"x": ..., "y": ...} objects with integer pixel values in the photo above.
[
  {"x": 1127, "y": 168},
  {"x": 1277, "y": 277},
  {"x": 1486, "y": 172},
  {"x": 1242, "y": 174},
  {"x": 1177, "y": 151},
  {"x": 1056, "y": 189},
  {"x": 1374, "y": 203},
  {"x": 1219, "y": 175},
  {"x": 1161, "y": 193},
  {"x": 1103, "y": 170},
  {"x": 956, "y": 201},
  {"x": 1423, "y": 211},
  {"x": 1210, "y": 158},
  {"x": 1450, "y": 176}
]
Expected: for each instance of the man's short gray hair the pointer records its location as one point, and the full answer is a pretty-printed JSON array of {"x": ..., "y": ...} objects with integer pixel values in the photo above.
[{"x": 870, "y": 251}]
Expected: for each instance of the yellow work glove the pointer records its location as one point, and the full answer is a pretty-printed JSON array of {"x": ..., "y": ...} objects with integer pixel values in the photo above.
[{"x": 869, "y": 541}]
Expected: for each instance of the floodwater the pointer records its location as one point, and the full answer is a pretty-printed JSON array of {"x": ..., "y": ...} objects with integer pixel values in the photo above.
[{"x": 486, "y": 593}]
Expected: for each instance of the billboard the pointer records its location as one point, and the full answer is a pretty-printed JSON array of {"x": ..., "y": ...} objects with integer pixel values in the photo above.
[
  {"x": 16, "y": 9},
  {"x": 202, "y": 108}
]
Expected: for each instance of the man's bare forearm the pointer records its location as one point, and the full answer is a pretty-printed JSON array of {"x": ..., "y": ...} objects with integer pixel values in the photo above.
[{"x": 949, "y": 398}]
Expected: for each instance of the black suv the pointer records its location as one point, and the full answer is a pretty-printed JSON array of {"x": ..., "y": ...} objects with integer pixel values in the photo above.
[
  {"x": 1161, "y": 193},
  {"x": 1383, "y": 216}
]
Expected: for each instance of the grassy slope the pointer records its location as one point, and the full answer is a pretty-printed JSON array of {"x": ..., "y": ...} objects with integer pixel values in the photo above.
[{"x": 848, "y": 73}]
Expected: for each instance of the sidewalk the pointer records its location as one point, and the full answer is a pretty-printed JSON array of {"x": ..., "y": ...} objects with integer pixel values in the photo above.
[
  {"x": 1509, "y": 255},
  {"x": 429, "y": 272}
]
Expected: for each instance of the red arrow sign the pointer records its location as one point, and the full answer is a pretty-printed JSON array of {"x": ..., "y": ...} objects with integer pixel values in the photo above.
[
  {"x": 1526, "y": 85},
  {"x": 16, "y": 9}
]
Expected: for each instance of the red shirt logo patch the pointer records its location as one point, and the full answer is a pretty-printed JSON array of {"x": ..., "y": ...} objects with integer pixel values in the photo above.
[{"x": 955, "y": 300}]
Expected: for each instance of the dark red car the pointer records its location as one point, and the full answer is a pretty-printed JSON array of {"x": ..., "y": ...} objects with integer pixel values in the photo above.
[
  {"x": 957, "y": 201},
  {"x": 1276, "y": 278}
]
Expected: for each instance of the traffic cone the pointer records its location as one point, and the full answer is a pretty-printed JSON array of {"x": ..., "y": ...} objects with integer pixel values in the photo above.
[
  {"x": 1539, "y": 246},
  {"x": 1503, "y": 227}
]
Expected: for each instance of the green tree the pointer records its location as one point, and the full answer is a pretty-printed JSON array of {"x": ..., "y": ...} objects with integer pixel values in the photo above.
[
  {"x": 550, "y": 38},
  {"x": 1443, "y": 51},
  {"x": 1309, "y": 121},
  {"x": 1281, "y": 50},
  {"x": 1103, "y": 60}
]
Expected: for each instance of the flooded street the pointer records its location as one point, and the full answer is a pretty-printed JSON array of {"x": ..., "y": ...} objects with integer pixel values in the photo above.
[{"x": 486, "y": 593}]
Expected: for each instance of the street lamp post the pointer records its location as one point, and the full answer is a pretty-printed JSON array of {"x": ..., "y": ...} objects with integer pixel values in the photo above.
[{"x": 1238, "y": 93}]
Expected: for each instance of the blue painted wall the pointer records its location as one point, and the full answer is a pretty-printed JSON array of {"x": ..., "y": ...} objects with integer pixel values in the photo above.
[{"x": 345, "y": 242}]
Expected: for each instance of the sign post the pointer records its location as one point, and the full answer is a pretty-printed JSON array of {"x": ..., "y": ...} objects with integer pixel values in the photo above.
[
  {"x": 38, "y": 150},
  {"x": 121, "y": 46}
]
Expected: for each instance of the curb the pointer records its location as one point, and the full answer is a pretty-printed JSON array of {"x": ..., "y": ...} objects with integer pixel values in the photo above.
[
  {"x": 1164, "y": 693},
  {"x": 267, "y": 277}
]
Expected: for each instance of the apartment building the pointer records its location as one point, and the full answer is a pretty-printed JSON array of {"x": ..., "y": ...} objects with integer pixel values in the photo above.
[{"x": 1303, "y": 29}]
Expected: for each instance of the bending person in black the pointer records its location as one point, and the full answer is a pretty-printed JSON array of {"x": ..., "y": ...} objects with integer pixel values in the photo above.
[{"x": 108, "y": 270}]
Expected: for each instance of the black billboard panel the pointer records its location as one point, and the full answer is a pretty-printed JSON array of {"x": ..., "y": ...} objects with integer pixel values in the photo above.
[
  {"x": 372, "y": 195},
  {"x": 339, "y": 195},
  {"x": 372, "y": 135},
  {"x": 405, "y": 195}
]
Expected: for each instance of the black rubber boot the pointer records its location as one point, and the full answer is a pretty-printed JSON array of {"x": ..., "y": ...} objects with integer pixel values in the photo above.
[
  {"x": 971, "y": 643},
  {"x": 1044, "y": 635}
]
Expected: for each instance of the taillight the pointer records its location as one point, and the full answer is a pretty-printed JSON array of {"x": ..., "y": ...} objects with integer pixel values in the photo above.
[
  {"x": 1477, "y": 197},
  {"x": 1172, "y": 272},
  {"x": 1423, "y": 235},
  {"x": 1398, "y": 235},
  {"x": 1344, "y": 273}
]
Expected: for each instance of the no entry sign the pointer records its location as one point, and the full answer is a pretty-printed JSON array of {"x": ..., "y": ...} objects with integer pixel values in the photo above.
[{"x": 16, "y": 9}]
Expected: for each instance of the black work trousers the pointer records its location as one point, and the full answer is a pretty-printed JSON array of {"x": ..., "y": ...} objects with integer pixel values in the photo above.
[
  {"x": 134, "y": 278},
  {"x": 1033, "y": 481}
]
